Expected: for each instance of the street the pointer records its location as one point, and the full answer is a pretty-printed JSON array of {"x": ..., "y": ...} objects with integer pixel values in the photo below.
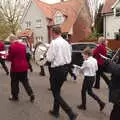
[{"x": 71, "y": 92}]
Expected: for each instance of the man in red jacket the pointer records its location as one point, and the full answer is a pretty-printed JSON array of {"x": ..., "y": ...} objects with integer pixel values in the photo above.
[
  {"x": 19, "y": 68},
  {"x": 2, "y": 61},
  {"x": 100, "y": 50}
]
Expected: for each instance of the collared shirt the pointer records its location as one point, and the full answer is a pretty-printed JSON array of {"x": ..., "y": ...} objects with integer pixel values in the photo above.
[
  {"x": 89, "y": 66},
  {"x": 59, "y": 52}
]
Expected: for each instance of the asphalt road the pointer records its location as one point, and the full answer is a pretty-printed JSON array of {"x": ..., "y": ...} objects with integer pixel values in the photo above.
[{"x": 24, "y": 110}]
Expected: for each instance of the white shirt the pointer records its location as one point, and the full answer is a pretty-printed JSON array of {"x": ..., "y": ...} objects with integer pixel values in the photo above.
[
  {"x": 89, "y": 66},
  {"x": 59, "y": 52}
]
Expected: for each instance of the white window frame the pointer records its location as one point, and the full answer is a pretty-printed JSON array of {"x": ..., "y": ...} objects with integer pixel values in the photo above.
[{"x": 59, "y": 18}]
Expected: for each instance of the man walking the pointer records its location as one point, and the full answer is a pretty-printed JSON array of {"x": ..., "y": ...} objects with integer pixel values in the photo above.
[
  {"x": 59, "y": 55},
  {"x": 19, "y": 68}
]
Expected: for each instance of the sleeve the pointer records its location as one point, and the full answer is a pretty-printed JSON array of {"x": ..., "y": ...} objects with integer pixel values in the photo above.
[
  {"x": 51, "y": 52},
  {"x": 9, "y": 57},
  {"x": 84, "y": 65},
  {"x": 96, "y": 66},
  {"x": 96, "y": 51}
]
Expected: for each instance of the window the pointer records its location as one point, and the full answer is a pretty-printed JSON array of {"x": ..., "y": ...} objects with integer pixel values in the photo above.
[
  {"x": 39, "y": 38},
  {"x": 39, "y": 23},
  {"x": 59, "y": 18},
  {"x": 28, "y": 24},
  {"x": 117, "y": 11}
]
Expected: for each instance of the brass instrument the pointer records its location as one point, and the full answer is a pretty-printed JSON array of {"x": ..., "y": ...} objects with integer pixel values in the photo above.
[{"x": 40, "y": 53}]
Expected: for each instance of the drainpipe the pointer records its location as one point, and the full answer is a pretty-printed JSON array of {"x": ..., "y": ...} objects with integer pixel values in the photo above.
[{"x": 105, "y": 25}]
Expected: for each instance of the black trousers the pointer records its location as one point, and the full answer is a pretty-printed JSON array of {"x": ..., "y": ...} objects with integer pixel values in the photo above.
[
  {"x": 28, "y": 60},
  {"x": 87, "y": 87},
  {"x": 58, "y": 76},
  {"x": 115, "y": 113},
  {"x": 100, "y": 73},
  {"x": 17, "y": 77},
  {"x": 2, "y": 61}
]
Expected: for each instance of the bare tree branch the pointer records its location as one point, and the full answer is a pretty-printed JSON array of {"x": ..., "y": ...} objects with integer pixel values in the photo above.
[{"x": 11, "y": 10}]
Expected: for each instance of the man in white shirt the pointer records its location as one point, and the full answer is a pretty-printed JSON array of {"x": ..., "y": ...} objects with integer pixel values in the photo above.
[
  {"x": 59, "y": 55},
  {"x": 89, "y": 69}
]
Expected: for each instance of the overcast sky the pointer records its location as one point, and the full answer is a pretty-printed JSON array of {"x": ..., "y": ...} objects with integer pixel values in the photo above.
[{"x": 51, "y": 1}]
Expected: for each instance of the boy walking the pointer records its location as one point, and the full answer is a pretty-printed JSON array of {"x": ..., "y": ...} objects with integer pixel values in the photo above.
[{"x": 89, "y": 69}]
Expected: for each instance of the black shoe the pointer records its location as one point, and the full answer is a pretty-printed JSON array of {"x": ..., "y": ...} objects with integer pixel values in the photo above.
[
  {"x": 51, "y": 112},
  {"x": 81, "y": 107},
  {"x": 32, "y": 98},
  {"x": 49, "y": 89},
  {"x": 102, "y": 105},
  {"x": 31, "y": 70},
  {"x": 7, "y": 73},
  {"x": 96, "y": 87},
  {"x": 74, "y": 77},
  {"x": 42, "y": 74},
  {"x": 13, "y": 98},
  {"x": 73, "y": 116}
]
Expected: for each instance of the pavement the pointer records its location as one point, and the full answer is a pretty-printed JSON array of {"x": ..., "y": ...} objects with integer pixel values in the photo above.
[{"x": 71, "y": 92}]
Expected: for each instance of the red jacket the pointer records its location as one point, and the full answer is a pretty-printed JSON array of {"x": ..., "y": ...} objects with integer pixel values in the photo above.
[
  {"x": 17, "y": 56},
  {"x": 101, "y": 49}
]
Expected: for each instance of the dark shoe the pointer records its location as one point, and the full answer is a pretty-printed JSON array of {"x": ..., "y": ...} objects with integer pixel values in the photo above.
[
  {"x": 102, "y": 105},
  {"x": 42, "y": 74},
  {"x": 81, "y": 107},
  {"x": 73, "y": 117},
  {"x": 31, "y": 70},
  {"x": 32, "y": 98},
  {"x": 74, "y": 77},
  {"x": 13, "y": 98},
  {"x": 96, "y": 87},
  {"x": 7, "y": 73},
  {"x": 51, "y": 112},
  {"x": 49, "y": 89}
]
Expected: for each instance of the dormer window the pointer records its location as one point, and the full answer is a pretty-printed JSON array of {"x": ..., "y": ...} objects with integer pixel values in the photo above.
[
  {"x": 117, "y": 11},
  {"x": 59, "y": 18}
]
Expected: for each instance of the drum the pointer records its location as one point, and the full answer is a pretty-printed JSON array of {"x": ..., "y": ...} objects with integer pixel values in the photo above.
[{"x": 40, "y": 53}]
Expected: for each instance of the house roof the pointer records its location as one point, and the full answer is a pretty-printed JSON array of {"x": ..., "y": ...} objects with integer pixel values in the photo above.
[
  {"x": 107, "y": 8},
  {"x": 69, "y": 8},
  {"x": 47, "y": 9}
]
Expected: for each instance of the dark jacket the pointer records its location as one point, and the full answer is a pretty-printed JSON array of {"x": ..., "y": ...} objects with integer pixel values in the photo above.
[
  {"x": 114, "y": 85},
  {"x": 17, "y": 56}
]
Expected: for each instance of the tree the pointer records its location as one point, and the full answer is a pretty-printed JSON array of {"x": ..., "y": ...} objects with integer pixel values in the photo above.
[
  {"x": 12, "y": 10},
  {"x": 97, "y": 19}
]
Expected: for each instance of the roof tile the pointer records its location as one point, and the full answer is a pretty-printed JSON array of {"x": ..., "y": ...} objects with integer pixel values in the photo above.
[{"x": 107, "y": 8}]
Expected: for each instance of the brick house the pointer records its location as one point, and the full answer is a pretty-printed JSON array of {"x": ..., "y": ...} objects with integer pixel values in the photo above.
[{"x": 73, "y": 16}]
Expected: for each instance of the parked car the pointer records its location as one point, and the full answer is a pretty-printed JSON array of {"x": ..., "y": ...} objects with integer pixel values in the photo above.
[{"x": 77, "y": 48}]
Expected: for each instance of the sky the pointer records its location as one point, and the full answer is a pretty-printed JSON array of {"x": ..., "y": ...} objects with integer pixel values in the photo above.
[
  {"x": 51, "y": 1},
  {"x": 54, "y": 1}
]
